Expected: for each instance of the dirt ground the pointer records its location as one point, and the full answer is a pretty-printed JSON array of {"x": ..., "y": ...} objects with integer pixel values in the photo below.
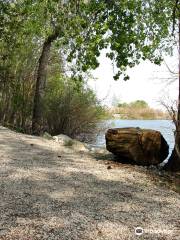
[{"x": 48, "y": 191}]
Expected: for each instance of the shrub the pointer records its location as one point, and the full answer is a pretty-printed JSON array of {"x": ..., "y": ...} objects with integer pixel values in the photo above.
[
  {"x": 71, "y": 108},
  {"x": 139, "y": 110}
]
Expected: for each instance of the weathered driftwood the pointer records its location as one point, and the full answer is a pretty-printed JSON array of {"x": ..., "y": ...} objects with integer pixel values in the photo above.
[{"x": 140, "y": 146}]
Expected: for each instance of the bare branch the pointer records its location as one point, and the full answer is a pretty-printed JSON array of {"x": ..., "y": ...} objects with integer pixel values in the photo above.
[{"x": 171, "y": 108}]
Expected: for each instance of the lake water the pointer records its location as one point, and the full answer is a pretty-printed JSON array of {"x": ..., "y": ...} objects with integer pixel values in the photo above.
[{"x": 166, "y": 127}]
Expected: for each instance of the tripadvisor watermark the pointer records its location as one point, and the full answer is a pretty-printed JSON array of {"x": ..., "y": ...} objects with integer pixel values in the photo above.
[{"x": 140, "y": 231}]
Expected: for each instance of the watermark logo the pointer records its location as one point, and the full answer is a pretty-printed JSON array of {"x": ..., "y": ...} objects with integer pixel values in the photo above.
[{"x": 139, "y": 231}]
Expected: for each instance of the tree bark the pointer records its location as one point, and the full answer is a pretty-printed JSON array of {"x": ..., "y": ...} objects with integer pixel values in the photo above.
[
  {"x": 37, "y": 118},
  {"x": 174, "y": 160}
]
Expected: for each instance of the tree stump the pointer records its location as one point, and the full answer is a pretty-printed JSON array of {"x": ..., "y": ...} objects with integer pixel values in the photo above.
[{"x": 139, "y": 146}]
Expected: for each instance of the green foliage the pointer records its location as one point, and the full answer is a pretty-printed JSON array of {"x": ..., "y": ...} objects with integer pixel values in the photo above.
[
  {"x": 139, "y": 110},
  {"x": 139, "y": 104},
  {"x": 70, "y": 110},
  {"x": 135, "y": 104},
  {"x": 69, "y": 106},
  {"x": 130, "y": 30}
]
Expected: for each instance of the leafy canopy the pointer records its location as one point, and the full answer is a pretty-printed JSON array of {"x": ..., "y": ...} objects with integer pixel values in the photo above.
[{"x": 130, "y": 30}]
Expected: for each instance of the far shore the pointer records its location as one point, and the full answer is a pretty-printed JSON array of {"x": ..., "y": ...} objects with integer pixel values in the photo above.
[
  {"x": 125, "y": 117},
  {"x": 137, "y": 110}
]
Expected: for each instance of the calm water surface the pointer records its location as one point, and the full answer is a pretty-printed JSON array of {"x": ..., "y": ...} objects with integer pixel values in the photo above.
[{"x": 166, "y": 127}]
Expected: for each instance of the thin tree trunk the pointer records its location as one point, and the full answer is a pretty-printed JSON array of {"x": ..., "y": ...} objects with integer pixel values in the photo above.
[
  {"x": 37, "y": 118},
  {"x": 174, "y": 160}
]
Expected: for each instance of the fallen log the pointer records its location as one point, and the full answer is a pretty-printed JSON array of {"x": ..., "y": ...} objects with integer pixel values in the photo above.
[{"x": 139, "y": 146}]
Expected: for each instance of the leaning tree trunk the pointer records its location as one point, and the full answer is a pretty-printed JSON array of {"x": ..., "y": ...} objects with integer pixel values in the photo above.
[
  {"x": 174, "y": 160},
  {"x": 37, "y": 118}
]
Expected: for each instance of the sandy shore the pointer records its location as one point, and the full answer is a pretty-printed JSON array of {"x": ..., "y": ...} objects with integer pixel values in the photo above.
[{"x": 48, "y": 191}]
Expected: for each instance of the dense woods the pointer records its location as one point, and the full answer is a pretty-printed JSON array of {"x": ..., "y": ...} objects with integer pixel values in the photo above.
[
  {"x": 37, "y": 94},
  {"x": 47, "y": 48}
]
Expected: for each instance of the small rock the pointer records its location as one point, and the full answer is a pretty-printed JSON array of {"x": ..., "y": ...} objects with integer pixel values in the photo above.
[
  {"x": 72, "y": 143},
  {"x": 79, "y": 146},
  {"x": 62, "y": 139},
  {"x": 47, "y": 136},
  {"x": 109, "y": 167}
]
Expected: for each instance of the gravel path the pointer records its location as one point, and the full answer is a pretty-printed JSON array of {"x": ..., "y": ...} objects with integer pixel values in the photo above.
[{"x": 51, "y": 192}]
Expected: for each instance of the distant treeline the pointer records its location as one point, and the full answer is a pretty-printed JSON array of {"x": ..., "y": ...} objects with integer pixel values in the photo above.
[{"x": 138, "y": 110}]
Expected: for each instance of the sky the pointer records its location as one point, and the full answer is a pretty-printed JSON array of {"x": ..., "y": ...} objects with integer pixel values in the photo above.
[{"x": 147, "y": 82}]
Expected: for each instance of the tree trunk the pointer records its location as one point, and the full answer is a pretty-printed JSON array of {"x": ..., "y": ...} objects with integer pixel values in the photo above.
[
  {"x": 174, "y": 160},
  {"x": 37, "y": 118}
]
